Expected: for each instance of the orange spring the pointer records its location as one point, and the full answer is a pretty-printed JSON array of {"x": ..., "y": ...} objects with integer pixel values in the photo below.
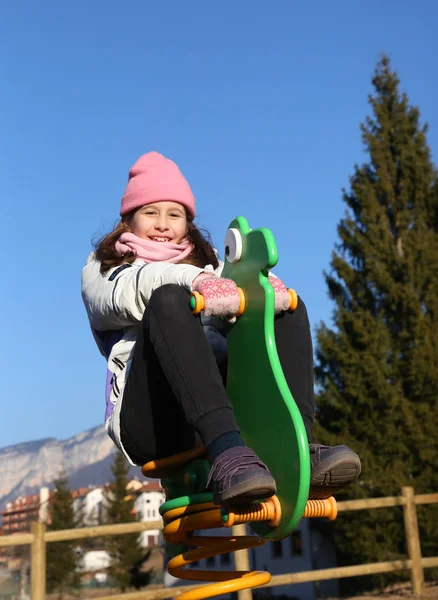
[
  {"x": 321, "y": 508},
  {"x": 269, "y": 511}
]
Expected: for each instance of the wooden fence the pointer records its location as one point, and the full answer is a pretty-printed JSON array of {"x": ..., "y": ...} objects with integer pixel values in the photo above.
[{"x": 39, "y": 537}]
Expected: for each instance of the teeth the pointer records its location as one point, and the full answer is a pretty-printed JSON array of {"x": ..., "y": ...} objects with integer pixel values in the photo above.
[{"x": 160, "y": 239}]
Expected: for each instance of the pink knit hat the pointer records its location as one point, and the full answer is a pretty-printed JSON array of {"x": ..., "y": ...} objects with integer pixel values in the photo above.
[{"x": 155, "y": 178}]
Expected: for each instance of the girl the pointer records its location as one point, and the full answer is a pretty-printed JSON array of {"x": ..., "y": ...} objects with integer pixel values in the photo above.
[{"x": 165, "y": 388}]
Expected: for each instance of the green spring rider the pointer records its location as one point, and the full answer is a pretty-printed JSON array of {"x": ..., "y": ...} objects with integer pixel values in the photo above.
[{"x": 270, "y": 423}]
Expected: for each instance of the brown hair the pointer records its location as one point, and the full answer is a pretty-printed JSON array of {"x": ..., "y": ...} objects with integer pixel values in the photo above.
[{"x": 202, "y": 254}]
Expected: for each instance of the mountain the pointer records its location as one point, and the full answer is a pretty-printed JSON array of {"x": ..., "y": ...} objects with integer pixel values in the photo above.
[{"x": 85, "y": 458}]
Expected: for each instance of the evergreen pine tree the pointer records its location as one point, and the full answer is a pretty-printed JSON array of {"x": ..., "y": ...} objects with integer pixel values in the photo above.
[
  {"x": 125, "y": 550},
  {"x": 377, "y": 368},
  {"x": 62, "y": 559}
]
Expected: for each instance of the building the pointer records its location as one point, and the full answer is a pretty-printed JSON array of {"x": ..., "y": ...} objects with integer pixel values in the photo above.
[
  {"x": 90, "y": 505},
  {"x": 89, "y": 502},
  {"x": 20, "y": 513},
  {"x": 149, "y": 497}
]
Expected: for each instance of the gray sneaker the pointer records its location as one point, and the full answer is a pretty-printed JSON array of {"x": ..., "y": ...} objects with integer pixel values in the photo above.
[
  {"x": 238, "y": 476},
  {"x": 332, "y": 468}
]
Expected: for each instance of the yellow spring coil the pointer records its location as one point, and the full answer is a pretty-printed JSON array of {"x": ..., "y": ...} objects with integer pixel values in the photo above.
[{"x": 179, "y": 523}]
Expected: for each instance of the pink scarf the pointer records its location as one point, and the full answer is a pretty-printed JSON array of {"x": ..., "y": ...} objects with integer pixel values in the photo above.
[{"x": 150, "y": 251}]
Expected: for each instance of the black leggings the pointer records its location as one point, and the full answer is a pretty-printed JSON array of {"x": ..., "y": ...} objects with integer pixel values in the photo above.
[{"x": 175, "y": 396}]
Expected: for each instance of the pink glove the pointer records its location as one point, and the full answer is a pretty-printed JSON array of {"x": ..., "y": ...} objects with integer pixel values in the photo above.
[
  {"x": 221, "y": 298},
  {"x": 282, "y": 298}
]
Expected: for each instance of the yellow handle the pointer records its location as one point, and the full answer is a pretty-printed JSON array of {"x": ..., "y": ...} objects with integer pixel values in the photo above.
[
  {"x": 197, "y": 302},
  {"x": 293, "y": 299}
]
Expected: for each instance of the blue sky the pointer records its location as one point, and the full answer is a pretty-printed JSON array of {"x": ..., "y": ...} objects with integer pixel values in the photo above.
[{"x": 259, "y": 104}]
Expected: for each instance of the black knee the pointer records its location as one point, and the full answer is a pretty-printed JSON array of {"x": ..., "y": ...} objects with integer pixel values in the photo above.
[
  {"x": 169, "y": 300},
  {"x": 298, "y": 316},
  {"x": 301, "y": 310}
]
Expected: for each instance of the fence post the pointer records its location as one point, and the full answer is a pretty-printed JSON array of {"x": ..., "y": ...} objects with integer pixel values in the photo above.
[
  {"x": 412, "y": 539},
  {"x": 38, "y": 562},
  {"x": 241, "y": 560}
]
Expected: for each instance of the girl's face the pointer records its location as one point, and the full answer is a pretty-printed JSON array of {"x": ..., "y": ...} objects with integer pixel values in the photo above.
[{"x": 160, "y": 222}]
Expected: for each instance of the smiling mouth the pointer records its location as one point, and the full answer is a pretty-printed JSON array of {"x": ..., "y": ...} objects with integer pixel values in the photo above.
[{"x": 157, "y": 238}]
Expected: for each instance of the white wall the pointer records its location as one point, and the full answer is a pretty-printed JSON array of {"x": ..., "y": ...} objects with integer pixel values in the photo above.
[
  {"x": 90, "y": 507},
  {"x": 44, "y": 504},
  {"x": 93, "y": 506},
  {"x": 95, "y": 560},
  {"x": 147, "y": 506}
]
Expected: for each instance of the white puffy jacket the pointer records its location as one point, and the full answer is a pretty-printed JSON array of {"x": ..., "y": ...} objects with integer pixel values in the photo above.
[{"x": 115, "y": 303}]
